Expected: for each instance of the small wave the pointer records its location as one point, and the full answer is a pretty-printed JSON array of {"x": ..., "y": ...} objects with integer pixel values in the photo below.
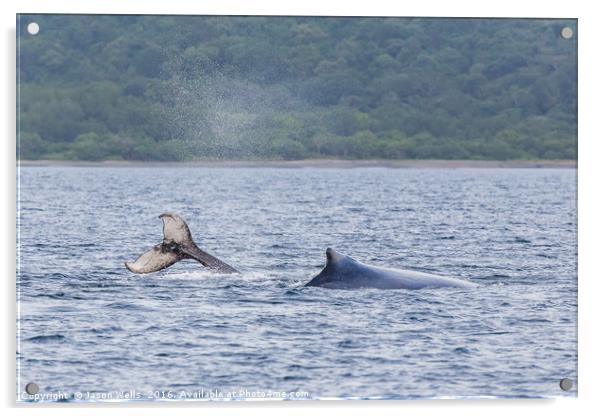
[
  {"x": 490, "y": 333},
  {"x": 278, "y": 246},
  {"x": 462, "y": 350},
  {"x": 493, "y": 278},
  {"x": 42, "y": 339},
  {"x": 83, "y": 245},
  {"x": 471, "y": 266},
  {"x": 124, "y": 305},
  {"x": 105, "y": 330},
  {"x": 59, "y": 295},
  {"x": 535, "y": 320},
  {"x": 521, "y": 240},
  {"x": 348, "y": 343},
  {"x": 296, "y": 291},
  {"x": 294, "y": 378},
  {"x": 262, "y": 301},
  {"x": 58, "y": 276}
]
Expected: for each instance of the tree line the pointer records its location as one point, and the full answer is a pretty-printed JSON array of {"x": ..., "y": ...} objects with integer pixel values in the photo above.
[{"x": 219, "y": 87}]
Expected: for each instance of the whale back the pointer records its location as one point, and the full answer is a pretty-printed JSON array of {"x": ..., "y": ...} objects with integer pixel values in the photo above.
[{"x": 344, "y": 272}]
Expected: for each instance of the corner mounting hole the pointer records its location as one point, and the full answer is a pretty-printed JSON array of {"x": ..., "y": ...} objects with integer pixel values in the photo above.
[
  {"x": 566, "y": 384},
  {"x": 32, "y": 388},
  {"x": 566, "y": 32},
  {"x": 33, "y": 28}
]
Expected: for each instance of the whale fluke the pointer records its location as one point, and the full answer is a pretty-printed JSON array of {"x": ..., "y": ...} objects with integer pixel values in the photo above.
[
  {"x": 157, "y": 258},
  {"x": 177, "y": 245}
]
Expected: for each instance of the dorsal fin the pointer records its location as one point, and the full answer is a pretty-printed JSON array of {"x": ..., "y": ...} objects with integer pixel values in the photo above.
[{"x": 332, "y": 256}]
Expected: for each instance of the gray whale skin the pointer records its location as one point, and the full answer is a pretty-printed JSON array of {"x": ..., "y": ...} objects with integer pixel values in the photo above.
[
  {"x": 177, "y": 245},
  {"x": 343, "y": 272}
]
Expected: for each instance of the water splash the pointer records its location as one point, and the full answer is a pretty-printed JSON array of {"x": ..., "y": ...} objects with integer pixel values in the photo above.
[{"x": 222, "y": 116}]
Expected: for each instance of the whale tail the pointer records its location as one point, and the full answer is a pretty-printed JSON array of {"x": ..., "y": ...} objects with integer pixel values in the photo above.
[{"x": 177, "y": 245}]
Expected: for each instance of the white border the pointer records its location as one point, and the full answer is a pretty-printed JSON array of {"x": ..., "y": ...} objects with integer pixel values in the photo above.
[{"x": 590, "y": 208}]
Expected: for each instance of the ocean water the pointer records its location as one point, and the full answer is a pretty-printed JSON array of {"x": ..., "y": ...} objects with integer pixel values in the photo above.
[{"x": 90, "y": 330}]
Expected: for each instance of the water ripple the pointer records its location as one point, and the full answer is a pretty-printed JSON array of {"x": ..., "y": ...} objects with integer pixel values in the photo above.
[{"x": 88, "y": 324}]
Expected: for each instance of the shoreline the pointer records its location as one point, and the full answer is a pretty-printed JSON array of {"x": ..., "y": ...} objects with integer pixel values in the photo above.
[{"x": 320, "y": 163}]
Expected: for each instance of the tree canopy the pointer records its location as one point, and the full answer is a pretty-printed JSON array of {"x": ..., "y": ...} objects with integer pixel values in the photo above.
[{"x": 98, "y": 87}]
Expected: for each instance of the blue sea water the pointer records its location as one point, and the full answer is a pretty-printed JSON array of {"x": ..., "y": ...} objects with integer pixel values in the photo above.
[{"x": 91, "y": 330}]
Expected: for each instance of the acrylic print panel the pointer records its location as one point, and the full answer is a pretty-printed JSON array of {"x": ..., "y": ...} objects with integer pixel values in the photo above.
[{"x": 182, "y": 177}]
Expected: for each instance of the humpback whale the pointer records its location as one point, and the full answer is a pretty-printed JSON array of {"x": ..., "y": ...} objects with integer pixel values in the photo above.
[
  {"x": 344, "y": 272},
  {"x": 340, "y": 272},
  {"x": 177, "y": 245}
]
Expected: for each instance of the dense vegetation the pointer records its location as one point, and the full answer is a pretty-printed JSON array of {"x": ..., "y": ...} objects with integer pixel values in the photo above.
[{"x": 174, "y": 88}]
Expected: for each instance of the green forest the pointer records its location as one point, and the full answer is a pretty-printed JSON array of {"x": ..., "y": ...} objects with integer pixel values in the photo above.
[{"x": 100, "y": 87}]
